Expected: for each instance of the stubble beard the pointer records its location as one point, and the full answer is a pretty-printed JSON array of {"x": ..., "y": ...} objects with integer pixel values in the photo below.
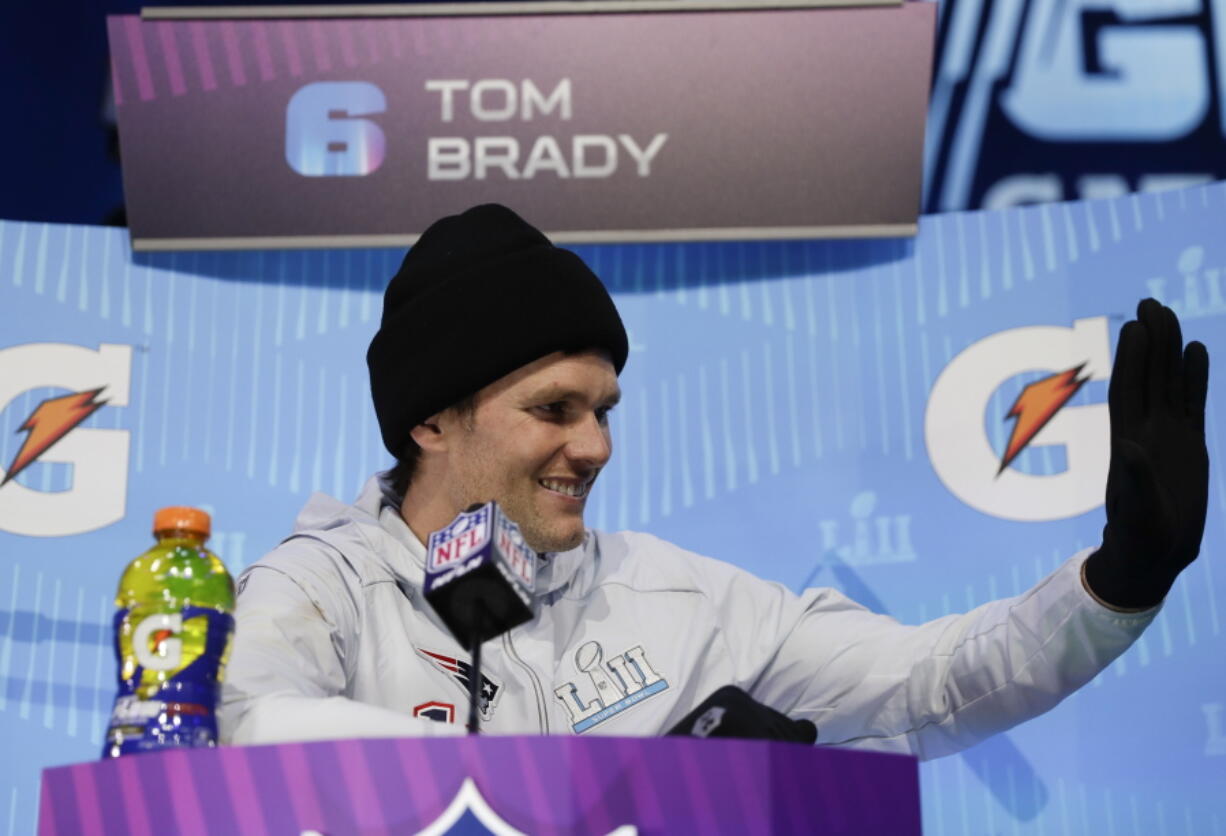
[{"x": 543, "y": 531}]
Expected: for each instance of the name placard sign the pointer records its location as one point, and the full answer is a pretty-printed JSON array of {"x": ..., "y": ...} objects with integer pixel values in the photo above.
[{"x": 252, "y": 132}]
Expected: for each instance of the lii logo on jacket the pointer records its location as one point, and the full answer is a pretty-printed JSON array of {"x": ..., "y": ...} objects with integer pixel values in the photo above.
[{"x": 622, "y": 682}]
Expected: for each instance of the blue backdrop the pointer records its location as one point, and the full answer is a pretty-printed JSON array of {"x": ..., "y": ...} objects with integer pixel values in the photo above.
[{"x": 821, "y": 413}]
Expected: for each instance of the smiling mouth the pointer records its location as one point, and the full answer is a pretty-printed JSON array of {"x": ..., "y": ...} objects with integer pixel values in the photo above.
[{"x": 575, "y": 490}]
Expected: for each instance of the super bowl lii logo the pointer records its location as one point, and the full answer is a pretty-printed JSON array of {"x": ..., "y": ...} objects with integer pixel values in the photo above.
[
  {"x": 614, "y": 685},
  {"x": 1196, "y": 291},
  {"x": 866, "y": 536}
]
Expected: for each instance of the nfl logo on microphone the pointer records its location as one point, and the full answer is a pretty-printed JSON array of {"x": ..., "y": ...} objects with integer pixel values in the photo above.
[{"x": 488, "y": 551}]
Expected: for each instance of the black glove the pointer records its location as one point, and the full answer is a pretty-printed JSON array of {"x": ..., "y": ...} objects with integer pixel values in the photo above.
[
  {"x": 730, "y": 712},
  {"x": 1158, "y": 482}
]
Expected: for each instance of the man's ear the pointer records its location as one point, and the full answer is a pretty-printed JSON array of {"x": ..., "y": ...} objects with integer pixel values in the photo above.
[{"x": 429, "y": 434}]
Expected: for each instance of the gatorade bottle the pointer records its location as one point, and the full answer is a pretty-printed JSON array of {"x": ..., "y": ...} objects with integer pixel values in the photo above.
[{"x": 172, "y": 638}]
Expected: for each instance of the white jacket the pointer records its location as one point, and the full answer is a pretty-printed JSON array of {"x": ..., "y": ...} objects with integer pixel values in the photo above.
[{"x": 334, "y": 640}]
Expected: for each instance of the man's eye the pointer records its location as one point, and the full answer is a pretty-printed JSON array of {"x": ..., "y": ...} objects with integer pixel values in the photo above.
[
  {"x": 602, "y": 414},
  {"x": 553, "y": 410}
]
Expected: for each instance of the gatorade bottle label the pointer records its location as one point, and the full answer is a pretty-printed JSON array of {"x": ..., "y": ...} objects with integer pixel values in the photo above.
[{"x": 169, "y": 679}]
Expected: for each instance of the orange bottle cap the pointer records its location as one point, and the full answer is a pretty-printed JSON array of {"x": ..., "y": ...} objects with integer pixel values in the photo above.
[{"x": 181, "y": 518}]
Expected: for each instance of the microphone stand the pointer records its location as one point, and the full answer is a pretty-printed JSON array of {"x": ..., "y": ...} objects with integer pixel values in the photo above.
[{"x": 474, "y": 679}]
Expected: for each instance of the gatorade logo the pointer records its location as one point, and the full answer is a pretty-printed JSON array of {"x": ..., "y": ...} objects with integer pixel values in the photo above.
[
  {"x": 99, "y": 458},
  {"x": 956, "y": 434},
  {"x": 154, "y": 644}
]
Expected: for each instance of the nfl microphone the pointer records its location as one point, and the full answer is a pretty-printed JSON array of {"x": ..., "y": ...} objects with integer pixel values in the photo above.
[{"x": 480, "y": 575}]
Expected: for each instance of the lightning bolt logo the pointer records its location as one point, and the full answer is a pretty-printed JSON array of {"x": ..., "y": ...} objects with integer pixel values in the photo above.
[
  {"x": 1037, "y": 404},
  {"x": 50, "y": 421}
]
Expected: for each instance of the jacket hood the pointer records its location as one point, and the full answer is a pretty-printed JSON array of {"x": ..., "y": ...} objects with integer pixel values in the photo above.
[{"x": 322, "y": 512}]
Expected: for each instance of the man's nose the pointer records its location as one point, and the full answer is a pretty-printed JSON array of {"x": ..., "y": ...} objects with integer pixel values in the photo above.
[{"x": 590, "y": 442}]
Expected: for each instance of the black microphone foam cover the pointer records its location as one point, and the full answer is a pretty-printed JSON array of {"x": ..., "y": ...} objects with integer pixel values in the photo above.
[{"x": 480, "y": 574}]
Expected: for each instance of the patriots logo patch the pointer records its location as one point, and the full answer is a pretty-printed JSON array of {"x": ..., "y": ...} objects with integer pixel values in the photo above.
[{"x": 461, "y": 673}]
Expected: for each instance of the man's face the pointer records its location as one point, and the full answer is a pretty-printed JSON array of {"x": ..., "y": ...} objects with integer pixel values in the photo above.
[{"x": 535, "y": 441}]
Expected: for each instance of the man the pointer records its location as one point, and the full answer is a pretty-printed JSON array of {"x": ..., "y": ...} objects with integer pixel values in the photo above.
[{"x": 334, "y": 639}]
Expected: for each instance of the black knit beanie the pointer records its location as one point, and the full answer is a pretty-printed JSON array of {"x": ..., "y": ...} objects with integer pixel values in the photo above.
[{"x": 479, "y": 295}]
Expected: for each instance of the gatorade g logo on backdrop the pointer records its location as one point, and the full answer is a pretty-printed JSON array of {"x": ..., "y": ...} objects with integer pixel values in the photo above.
[
  {"x": 99, "y": 458},
  {"x": 956, "y": 433}
]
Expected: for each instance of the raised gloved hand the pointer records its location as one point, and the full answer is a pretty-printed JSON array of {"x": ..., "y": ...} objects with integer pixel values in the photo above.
[
  {"x": 1158, "y": 482},
  {"x": 730, "y": 712}
]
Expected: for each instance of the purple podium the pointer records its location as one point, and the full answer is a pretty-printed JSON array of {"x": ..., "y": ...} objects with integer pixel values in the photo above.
[{"x": 498, "y": 785}]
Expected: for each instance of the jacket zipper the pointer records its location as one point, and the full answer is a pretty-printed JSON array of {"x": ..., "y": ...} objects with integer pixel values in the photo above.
[{"x": 541, "y": 708}]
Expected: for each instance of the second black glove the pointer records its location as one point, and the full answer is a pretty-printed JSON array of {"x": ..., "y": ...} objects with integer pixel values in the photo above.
[{"x": 730, "y": 712}]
